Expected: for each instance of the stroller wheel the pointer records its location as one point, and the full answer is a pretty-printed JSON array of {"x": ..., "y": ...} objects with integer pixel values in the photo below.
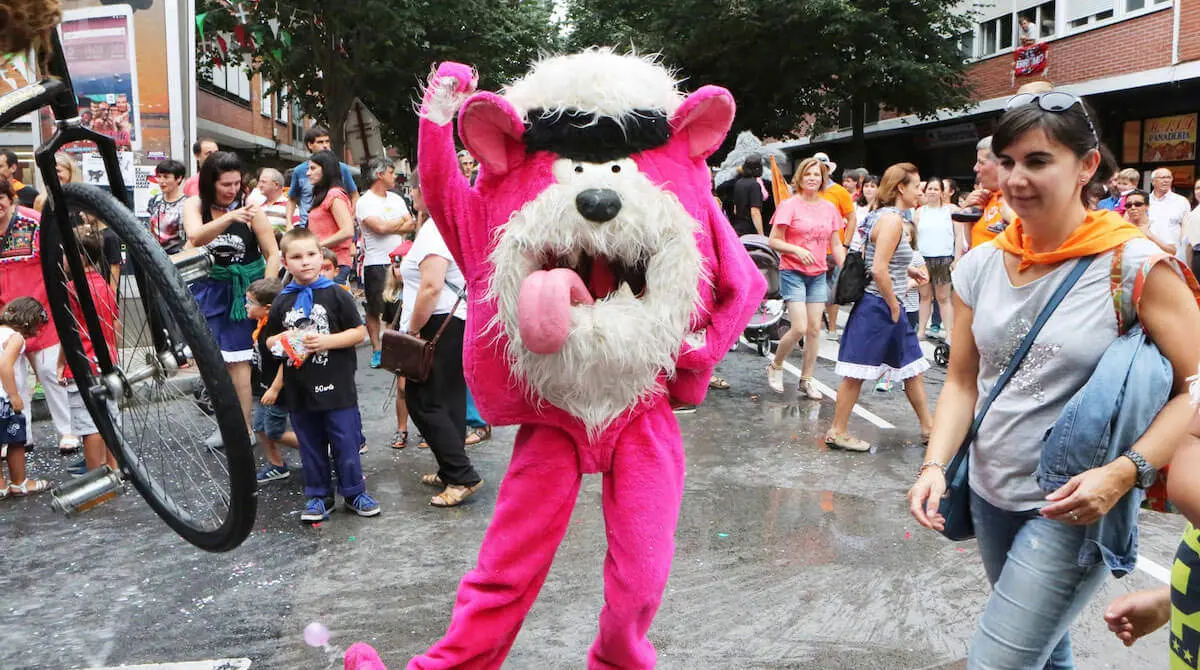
[{"x": 941, "y": 354}]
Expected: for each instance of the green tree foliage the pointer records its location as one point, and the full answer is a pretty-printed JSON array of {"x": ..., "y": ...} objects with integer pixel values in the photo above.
[
  {"x": 796, "y": 66},
  {"x": 381, "y": 51}
]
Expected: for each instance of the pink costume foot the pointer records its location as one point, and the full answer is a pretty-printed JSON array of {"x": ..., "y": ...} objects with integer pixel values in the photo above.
[{"x": 362, "y": 656}]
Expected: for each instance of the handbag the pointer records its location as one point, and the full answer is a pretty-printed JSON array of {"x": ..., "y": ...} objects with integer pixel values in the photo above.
[
  {"x": 853, "y": 280},
  {"x": 955, "y": 505},
  {"x": 410, "y": 355}
]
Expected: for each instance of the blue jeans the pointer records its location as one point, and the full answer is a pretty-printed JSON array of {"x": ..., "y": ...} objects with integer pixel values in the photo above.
[
  {"x": 1037, "y": 589},
  {"x": 473, "y": 418},
  {"x": 336, "y": 432}
]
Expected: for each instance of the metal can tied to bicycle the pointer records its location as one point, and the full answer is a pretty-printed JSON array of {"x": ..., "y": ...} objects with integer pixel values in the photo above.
[
  {"x": 94, "y": 488},
  {"x": 193, "y": 264}
]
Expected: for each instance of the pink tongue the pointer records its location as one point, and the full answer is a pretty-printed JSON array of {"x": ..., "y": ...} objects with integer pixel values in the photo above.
[{"x": 544, "y": 308}]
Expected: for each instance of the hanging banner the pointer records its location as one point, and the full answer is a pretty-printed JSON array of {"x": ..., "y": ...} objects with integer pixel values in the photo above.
[
  {"x": 1169, "y": 138},
  {"x": 1031, "y": 60},
  {"x": 99, "y": 45}
]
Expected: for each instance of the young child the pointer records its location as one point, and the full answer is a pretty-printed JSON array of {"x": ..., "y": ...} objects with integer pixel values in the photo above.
[
  {"x": 318, "y": 324},
  {"x": 22, "y": 318},
  {"x": 269, "y": 418},
  {"x": 95, "y": 451},
  {"x": 393, "y": 298}
]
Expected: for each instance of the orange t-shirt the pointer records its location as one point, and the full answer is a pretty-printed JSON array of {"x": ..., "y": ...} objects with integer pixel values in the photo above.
[
  {"x": 840, "y": 197},
  {"x": 992, "y": 222}
]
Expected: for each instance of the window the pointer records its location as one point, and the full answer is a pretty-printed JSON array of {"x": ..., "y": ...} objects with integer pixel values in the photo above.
[
  {"x": 1134, "y": 5},
  {"x": 297, "y": 124},
  {"x": 997, "y": 35},
  {"x": 1036, "y": 23},
  {"x": 966, "y": 45},
  {"x": 230, "y": 81},
  {"x": 282, "y": 106},
  {"x": 264, "y": 100}
]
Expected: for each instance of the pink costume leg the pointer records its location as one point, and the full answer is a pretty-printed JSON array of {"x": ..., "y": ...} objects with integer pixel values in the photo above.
[
  {"x": 533, "y": 510},
  {"x": 642, "y": 494}
]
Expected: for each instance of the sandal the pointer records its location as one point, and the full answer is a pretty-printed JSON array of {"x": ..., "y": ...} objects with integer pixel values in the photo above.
[
  {"x": 432, "y": 479},
  {"x": 69, "y": 444},
  {"x": 400, "y": 439},
  {"x": 477, "y": 435},
  {"x": 28, "y": 487},
  {"x": 718, "y": 383},
  {"x": 453, "y": 495},
  {"x": 847, "y": 442}
]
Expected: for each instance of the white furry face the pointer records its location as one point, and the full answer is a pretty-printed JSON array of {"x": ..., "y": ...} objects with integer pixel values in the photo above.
[{"x": 642, "y": 268}]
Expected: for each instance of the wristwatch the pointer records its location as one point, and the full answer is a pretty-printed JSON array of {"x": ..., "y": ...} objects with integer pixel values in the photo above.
[{"x": 1146, "y": 474}]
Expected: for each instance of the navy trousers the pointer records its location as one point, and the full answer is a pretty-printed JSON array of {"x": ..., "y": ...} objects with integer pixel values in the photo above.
[{"x": 338, "y": 431}]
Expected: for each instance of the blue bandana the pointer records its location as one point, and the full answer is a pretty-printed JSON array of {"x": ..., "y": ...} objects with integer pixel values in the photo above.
[{"x": 305, "y": 298}]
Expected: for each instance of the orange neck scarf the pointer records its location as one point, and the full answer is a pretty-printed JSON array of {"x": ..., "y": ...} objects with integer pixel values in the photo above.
[
  {"x": 258, "y": 329},
  {"x": 1101, "y": 231}
]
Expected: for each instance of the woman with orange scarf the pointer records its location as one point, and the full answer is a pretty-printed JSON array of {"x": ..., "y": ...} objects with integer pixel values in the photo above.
[{"x": 1049, "y": 152}]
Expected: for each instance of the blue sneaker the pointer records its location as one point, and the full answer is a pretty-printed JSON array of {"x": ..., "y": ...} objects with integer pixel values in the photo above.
[
  {"x": 271, "y": 473},
  {"x": 376, "y": 359},
  {"x": 363, "y": 505},
  {"x": 78, "y": 468},
  {"x": 314, "y": 511}
]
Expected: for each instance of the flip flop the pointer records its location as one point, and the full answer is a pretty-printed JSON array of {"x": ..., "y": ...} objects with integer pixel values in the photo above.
[{"x": 718, "y": 383}]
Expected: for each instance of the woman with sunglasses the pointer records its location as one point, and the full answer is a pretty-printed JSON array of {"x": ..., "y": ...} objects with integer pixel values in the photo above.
[{"x": 1030, "y": 542}]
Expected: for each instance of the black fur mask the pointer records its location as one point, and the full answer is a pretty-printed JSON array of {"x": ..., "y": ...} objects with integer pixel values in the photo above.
[{"x": 583, "y": 136}]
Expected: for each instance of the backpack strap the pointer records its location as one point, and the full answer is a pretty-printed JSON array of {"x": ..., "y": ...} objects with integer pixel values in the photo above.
[{"x": 1116, "y": 286}]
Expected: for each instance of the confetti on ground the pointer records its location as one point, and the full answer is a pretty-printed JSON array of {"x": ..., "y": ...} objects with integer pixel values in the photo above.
[{"x": 722, "y": 534}]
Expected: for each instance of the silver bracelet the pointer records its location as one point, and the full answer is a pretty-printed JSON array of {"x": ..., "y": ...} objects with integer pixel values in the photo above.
[{"x": 932, "y": 464}]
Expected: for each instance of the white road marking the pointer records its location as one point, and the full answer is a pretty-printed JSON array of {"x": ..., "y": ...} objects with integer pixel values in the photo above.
[
  {"x": 828, "y": 392},
  {"x": 1153, "y": 569},
  {"x": 215, "y": 664}
]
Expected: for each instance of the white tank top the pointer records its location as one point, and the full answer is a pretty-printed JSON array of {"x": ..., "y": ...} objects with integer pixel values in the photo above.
[
  {"x": 21, "y": 370},
  {"x": 935, "y": 231}
]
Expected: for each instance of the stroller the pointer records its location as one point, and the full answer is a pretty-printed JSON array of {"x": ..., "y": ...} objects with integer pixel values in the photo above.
[{"x": 769, "y": 321}]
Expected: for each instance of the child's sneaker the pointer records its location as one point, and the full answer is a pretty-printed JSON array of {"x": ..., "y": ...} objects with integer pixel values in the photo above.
[
  {"x": 363, "y": 505},
  {"x": 314, "y": 511},
  {"x": 78, "y": 468},
  {"x": 271, "y": 473}
]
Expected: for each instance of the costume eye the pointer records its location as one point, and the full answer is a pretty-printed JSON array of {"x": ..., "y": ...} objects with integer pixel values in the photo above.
[
  {"x": 616, "y": 169},
  {"x": 578, "y": 169}
]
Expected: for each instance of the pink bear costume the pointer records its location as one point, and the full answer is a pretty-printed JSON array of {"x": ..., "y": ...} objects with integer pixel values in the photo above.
[{"x": 602, "y": 279}]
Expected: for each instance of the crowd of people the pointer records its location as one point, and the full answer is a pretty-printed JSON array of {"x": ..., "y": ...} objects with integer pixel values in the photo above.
[{"x": 307, "y": 267}]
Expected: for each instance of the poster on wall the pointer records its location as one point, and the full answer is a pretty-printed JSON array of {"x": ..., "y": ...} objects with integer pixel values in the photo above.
[
  {"x": 1185, "y": 176},
  {"x": 1170, "y": 138},
  {"x": 99, "y": 46},
  {"x": 1131, "y": 143},
  {"x": 15, "y": 73},
  {"x": 118, "y": 55}
]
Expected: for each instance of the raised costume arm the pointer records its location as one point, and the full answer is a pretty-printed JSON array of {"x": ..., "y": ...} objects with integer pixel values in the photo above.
[{"x": 452, "y": 202}]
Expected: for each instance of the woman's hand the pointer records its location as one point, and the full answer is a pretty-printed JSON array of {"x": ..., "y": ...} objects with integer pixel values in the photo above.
[
  {"x": 896, "y": 311},
  {"x": 925, "y": 496},
  {"x": 243, "y": 214},
  {"x": 1135, "y": 615},
  {"x": 1089, "y": 495},
  {"x": 806, "y": 257}
]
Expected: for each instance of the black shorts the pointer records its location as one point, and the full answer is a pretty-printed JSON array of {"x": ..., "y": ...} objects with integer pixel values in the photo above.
[{"x": 374, "y": 281}]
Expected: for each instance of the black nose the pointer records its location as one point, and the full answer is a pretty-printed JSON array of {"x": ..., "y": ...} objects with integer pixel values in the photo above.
[{"x": 598, "y": 204}]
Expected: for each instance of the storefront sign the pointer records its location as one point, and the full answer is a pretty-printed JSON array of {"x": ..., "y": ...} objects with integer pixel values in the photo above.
[
  {"x": 1170, "y": 138},
  {"x": 1185, "y": 176},
  {"x": 1031, "y": 60},
  {"x": 1131, "y": 143},
  {"x": 949, "y": 136}
]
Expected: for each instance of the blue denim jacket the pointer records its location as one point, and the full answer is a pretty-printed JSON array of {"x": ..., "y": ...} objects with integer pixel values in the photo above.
[{"x": 1131, "y": 384}]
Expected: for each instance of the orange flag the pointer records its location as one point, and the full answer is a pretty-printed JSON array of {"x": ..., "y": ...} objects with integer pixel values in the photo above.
[{"x": 779, "y": 187}]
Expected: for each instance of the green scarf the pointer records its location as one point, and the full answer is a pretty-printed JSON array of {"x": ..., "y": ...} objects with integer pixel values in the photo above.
[{"x": 240, "y": 277}]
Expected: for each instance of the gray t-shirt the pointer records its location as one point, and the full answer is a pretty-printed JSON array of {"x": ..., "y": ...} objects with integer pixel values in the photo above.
[{"x": 1063, "y": 357}]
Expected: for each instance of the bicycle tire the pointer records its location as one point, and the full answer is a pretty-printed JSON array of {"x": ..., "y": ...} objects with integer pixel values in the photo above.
[{"x": 161, "y": 481}]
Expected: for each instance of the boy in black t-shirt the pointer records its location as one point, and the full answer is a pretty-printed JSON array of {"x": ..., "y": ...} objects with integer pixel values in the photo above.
[
  {"x": 270, "y": 417},
  {"x": 314, "y": 323}
]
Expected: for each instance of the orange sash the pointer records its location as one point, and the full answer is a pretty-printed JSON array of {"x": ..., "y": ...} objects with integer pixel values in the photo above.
[{"x": 1101, "y": 231}]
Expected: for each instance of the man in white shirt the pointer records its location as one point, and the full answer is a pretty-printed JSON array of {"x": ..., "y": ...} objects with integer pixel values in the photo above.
[
  {"x": 384, "y": 220},
  {"x": 1167, "y": 211},
  {"x": 271, "y": 196}
]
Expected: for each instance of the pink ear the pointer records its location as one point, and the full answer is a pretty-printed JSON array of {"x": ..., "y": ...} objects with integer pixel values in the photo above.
[
  {"x": 491, "y": 130},
  {"x": 703, "y": 120}
]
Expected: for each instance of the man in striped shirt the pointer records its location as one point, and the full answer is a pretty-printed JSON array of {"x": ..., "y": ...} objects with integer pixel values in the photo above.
[{"x": 274, "y": 199}]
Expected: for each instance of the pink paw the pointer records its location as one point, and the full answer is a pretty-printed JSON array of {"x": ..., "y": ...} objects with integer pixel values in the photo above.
[
  {"x": 464, "y": 75},
  {"x": 362, "y": 656}
]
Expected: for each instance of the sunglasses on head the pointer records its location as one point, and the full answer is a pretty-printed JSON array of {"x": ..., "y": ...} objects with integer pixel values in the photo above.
[{"x": 1054, "y": 101}]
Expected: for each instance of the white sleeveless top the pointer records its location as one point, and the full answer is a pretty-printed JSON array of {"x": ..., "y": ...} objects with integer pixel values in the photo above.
[{"x": 935, "y": 231}]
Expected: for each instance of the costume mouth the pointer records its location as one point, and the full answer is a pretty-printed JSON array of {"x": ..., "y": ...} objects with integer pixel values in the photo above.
[
  {"x": 566, "y": 281},
  {"x": 601, "y": 275}
]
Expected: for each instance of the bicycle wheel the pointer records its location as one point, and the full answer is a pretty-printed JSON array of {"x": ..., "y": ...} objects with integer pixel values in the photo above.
[{"x": 143, "y": 405}]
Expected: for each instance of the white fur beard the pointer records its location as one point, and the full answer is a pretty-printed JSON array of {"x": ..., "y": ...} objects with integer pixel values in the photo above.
[{"x": 618, "y": 347}]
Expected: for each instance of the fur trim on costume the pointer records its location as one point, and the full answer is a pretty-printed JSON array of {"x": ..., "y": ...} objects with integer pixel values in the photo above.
[
  {"x": 618, "y": 347},
  {"x": 596, "y": 81}
]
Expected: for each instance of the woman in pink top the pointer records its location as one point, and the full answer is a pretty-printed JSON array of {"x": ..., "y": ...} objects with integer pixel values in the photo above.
[
  {"x": 330, "y": 218},
  {"x": 803, "y": 227}
]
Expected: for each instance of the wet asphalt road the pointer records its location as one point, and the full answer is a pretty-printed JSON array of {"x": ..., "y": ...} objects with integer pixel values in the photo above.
[{"x": 789, "y": 556}]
